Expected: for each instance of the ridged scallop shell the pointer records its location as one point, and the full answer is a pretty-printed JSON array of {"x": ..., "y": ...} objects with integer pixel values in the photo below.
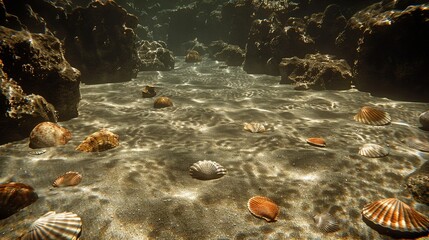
[
  {"x": 15, "y": 196},
  {"x": 68, "y": 179},
  {"x": 148, "y": 92},
  {"x": 417, "y": 144},
  {"x": 326, "y": 223},
  {"x": 263, "y": 207},
  {"x": 394, "y": 218},
  {"x": 207, "y": 170},
  {"x": 319, "y": 142},
  {"x": 99, "y": 141},
  {"x": 162, "y": 102},
  {"x": 373, "y": 150},
  {"x": 372, "y": 116},
  {"x": 254, "y": 127},
  {"x": 49, "y": 134},
  {"x": 55, "y": 226}
]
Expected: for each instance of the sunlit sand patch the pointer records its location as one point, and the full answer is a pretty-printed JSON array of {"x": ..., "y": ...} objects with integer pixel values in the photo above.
[{"x": 186, "y": 194}]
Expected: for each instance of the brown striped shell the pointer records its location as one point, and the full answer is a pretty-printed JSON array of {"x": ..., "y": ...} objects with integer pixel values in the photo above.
[
  {"x": 394, "y": 218},
  {"x": 373, "y": 150},
  {"x": 319, "y": 142},
  {"x": 55, "y": 226},
  {"x": 372, "y": 116},
  {"x": 148, "y": 91},
  {"x": 207, "y": 170},
  {"x": 68, "y": 179},
  {"x": 263, "y": 207},
  {"x": 49, "y": 134},
  {"x": 326, "y": 223},
  {"x": 99, "y": 141},
  {"x": 162, "y": 102},
  {"x": 15, "y": 196},
  {"x": 254, "y": 127}
]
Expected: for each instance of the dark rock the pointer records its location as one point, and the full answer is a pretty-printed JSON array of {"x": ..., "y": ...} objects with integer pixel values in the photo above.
[
  {"x": 182, "y": 26},
  {"x": 316, "y": 71},
  {"x": 36, "y": 62},
  {"x": 192, "y": 45},
  {"x": 424, "y": 120},
  {"x": 216, "y": 47},
  {"x": 154, "y": 56},
  {"x": 232, "y": 55},
  {"x": 101, "y": 43},
  {"x": 417, "y": 184},
  {"x": 193, "y": 56}
]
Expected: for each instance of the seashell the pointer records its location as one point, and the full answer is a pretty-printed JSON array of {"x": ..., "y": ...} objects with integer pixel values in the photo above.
[
  {"x": 148, "y": 91},
  {"x": 417, "y": 144},
  {"x": 99, "y": 141},
  {"x": 373, "y": 150},
  {"x": 55, "y": 226},
  {"x": 424, "y": 120},
  {"x": 193, "y": 56},
  {"x": 254, "y": 127},
  {"x": 396, "y": 219},
  {"x": 15, "y": 196},
  {"x": 162, "y": 102},
  {"x": 372, "y": 116},
  {"x": 326, "y": 223},
  {"x": 68, "y": 179},
  {"x": 318, "y": 142},
  {"x": 263, "y": 207},
  {"x": 207, "y": 170},
  {"x": 48, "y": 134}
]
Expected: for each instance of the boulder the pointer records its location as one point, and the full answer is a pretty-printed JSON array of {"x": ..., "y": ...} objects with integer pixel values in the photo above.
[
  {"x": 154, "y": 56},
  {"x": 232, "y": 55}
]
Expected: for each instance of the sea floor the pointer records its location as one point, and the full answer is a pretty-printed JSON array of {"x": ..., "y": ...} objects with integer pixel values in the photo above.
[{"x": 142, "y": 189}]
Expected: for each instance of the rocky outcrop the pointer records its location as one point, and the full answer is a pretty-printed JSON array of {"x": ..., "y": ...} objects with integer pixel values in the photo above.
[
  {"x": 36, "y": 62},
  {"x": 101, "y": 43},
  {"x": 154, "y": 56},
  {"x": 316, "y": 71},
  {"x": 232, "y": 55},
  {"x": 417, "y": 184}
]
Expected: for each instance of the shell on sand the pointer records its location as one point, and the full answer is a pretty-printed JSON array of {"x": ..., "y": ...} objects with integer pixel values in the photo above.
[
  {"x": 373, "y": 150},
  {"x": 162, "y": 102},
  {"x": 15, "y": 196},
  {"x": 417, "y": 144},
  {"x": 207, "y": 170},
  {"x": 263, "y": 207},
  {"x": 424, "y": 120},
  {"x": 392, "y": 217},
  {"x": 55, "y": 226},
  {"x": 372, "y": 116},
  {"x": 254, "y": 127},
  {"x": 326, "y": 223},
  {"x": 319, "y": 142},
  {"x": 49, "y": 134},
  {"x": 148, "y": 91},
  {"x": 68, "y": 179},
  {"x": 99, "y": 141}
]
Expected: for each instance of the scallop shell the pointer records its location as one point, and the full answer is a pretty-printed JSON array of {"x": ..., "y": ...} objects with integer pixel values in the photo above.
[
  {"x": 319, "y": 142},
  {"x": 254, "y": 127},
  {"x": 162, "y": 102},
  {"x": 373, "y": 150},
  {"x": 68, "y": 179},
  {"x": 417, "y": 144},
  {"x": 207, "y": 170},
  {"x": 372, "y": 116},
  {"x": 48, "y": 134},
  {"x": 99, "y": 141},
  {"x": 55, "y": 226},
  {"x": 396, "y": 219},
  {"x": 193, "y": 56},
  {"x": 148, "y": 92},
  {"x": 263, "y": 207},
  {"x": 15, "y": 196},
  {"x": 326, "y": 223}
]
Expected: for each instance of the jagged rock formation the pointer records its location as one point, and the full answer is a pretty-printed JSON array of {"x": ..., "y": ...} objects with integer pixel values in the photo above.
[{"x": 154, "y": 56}]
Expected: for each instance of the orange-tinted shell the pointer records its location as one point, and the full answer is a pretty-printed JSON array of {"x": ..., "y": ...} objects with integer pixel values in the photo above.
[
  {"x": 193, "y": 56},
  {"x": 99, "y": 141},
  {"x": 68, "y": 179},
  {"x": 263, "y": 207},
  {"x": 148, "y": 92},
  {"x": 319, "y": 142},
  {"x": 15, "y": 196},
  {"x": 394, "y": 218},
  {"x": 162, "y": 102},
  {"x": 372, "y": 116},
  {"x": 49, "y": 134}
]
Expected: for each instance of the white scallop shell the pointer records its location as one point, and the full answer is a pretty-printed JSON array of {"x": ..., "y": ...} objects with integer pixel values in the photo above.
[
  {"x": 373, "y": 150},
  {"x": 254, "y": 127},
  {"x": 326, "y": 223},
  {"x": 372, "y": 116},
  {"x": 206, "y": 170},
  {"x": 55, "y": 226}
]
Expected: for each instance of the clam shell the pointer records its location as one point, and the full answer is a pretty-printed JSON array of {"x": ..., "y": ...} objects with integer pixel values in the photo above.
[
  {"x": 372, "y": 116},
  {"x": 373, "y": 150},
  {"x": 48, "y": 134},
  {"x": 263, "y": 207},
  {"x": 417, "y": 144},
  {"x": 254, "y": 127},
  {"x": 99, "y": 141},
  {"x": 68, "y": 179},
  {"x": 162, "y": 102},
  {"x": 148, "y": 92},
  {"x": 15, "y": 196},
  {"x": 207, "y": 170},
  {"x": 319, "y": 142},
  {"x": 394, "y": 218},
  {"x": 55, "y": 226},
  {"x": 326, "y": 223}
]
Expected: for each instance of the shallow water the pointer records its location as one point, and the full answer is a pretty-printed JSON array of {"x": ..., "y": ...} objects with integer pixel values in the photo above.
[{"x": 142, "y": 189}]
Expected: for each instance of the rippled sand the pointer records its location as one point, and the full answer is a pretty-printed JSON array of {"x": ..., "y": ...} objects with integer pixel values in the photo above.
[{"x": 142, "y": 189}]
